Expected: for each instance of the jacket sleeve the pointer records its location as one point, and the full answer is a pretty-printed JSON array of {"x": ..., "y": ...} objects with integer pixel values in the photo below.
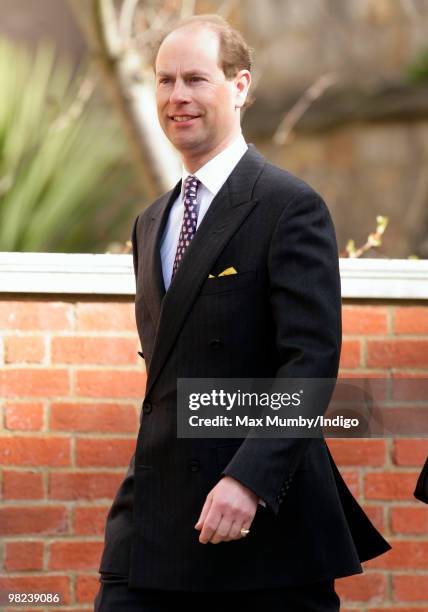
[{"x": 305, "y": 299}]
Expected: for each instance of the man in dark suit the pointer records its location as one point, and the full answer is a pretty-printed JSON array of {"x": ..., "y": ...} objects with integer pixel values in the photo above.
[{"x": 236, "y": 277}]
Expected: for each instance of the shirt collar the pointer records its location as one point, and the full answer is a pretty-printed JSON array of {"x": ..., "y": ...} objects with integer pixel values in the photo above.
[{"x": 215, "y": 172}]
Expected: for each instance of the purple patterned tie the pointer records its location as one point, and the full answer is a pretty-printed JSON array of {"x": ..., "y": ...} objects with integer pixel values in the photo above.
[{"x": 190, "y": 219}]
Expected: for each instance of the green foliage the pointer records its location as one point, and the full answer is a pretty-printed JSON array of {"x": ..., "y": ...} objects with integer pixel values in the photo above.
[
  {"x": 64, "y": 177},
  {"x": 417, "y": 72}
]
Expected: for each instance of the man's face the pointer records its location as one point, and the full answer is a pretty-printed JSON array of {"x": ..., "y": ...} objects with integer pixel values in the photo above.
[{"x": 195, "y": 102}]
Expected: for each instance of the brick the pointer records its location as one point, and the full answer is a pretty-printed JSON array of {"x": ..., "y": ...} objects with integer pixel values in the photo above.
[
  {"x": 97, "y": 417},
  {"x": 24, "y": 416},
  {"x": 409, "y": 386},
  {"x": 19, "y": 349},
  {"x": 16, "y": 520},
  {"x": 367, "y": 587},
  {"x": 410, "y": 320},
  {"x": 110, "y": 383},
  {"x": 375, "y": 514},
  {"x": 90, "y": 520},
  {"x": 375, "y": 377},
  {"x": 397, "y": 353},
  {"x": 358, "y": 451},
  {"x": 351, "y": 354},
  {"x": 110, "y": 351},
  {"x": 76, "y": 555},
  {"x": 352, "y": 480},
  {"x": 37, "y": 584},
  {"x": 24, "y": 556},
  {"x": 34, "y": 450},
  {"x": 403, "y": 421},
  {"x": 86, "y": 588},
  {"x": 72, "y": 609},
  {"x": 407, "y": 587},
  {"x": 422, "y": 608},
  {"x": 22, "y": 485},
  {"x": 38, "y": 609},
  {"x": 360, "y": 388},
  {"x": 409, "y": 520},
  {"x": 364, "y": 320},
  {"x": 112, "y": 316},
  {"x": 104, "y": 452},
  {"x": 393, "y": 486},
  {"x": 84, "y": 485},
  {"x": 35, "y": 316},
  {"x": 404, "y": 555},
  {"x": 40, "y": 382},
  {"x": 410, "y": 452}
]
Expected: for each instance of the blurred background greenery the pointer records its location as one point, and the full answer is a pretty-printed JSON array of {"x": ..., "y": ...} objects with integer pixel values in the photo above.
[
  {"x": 418, "y": 70},
  {"x": 64, "y": 172}
]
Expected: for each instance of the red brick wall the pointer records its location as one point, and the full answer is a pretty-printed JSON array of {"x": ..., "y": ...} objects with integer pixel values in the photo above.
[{"x": 71, "y": 386}]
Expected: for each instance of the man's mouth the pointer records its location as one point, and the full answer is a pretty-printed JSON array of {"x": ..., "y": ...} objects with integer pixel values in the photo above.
[{"x": 183, "y": 118}]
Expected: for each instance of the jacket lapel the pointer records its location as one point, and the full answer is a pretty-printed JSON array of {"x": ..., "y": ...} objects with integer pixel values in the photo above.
[
  {"x": 153, "y": 288},
  {"x": 227, "y": 211}
]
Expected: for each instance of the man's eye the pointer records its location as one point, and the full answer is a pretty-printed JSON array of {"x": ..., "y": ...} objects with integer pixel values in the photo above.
[
  {"x": 196, "y": 78},
  {"x": 163, "y": 81}
]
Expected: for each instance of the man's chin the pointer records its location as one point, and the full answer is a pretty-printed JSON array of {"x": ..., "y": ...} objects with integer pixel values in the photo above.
[{"x": 187, "y": 143}]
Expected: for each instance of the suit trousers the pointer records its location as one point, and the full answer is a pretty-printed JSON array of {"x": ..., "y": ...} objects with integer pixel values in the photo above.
[{"x": 313, "y": 597}]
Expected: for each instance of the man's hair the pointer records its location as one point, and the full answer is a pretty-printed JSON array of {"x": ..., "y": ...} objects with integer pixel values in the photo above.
[{"x": 234, "y": 53}]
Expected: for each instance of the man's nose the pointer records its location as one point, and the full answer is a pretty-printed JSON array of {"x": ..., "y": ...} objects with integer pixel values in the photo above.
[{"x": 179, "y": 93}]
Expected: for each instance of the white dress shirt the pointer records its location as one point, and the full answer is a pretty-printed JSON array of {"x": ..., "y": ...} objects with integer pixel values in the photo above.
[{"x": 212, "y": 176}]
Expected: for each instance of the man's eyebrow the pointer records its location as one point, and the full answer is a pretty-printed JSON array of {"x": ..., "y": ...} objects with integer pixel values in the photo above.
[{"x": 188, "y": 73}]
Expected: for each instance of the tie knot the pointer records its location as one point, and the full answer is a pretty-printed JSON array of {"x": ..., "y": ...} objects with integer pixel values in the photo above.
[{"x": 191, "y": 185}]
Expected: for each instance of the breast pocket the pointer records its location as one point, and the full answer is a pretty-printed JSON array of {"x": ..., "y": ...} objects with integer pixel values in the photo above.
[{"x": 230, "y": 282}]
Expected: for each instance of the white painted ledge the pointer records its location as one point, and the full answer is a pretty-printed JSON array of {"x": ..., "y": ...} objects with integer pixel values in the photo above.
[
  {"x": 66, "y": 273},
  {"x": 384, "y": 278},
  {"x": 103, "y": 274}
]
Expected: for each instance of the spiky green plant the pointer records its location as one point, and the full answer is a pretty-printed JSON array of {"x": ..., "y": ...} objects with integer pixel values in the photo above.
[{"x": 64, "y": 178}]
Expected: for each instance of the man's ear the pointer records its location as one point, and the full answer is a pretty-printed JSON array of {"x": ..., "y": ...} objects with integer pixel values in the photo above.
[{"x": 242, "y": 85}]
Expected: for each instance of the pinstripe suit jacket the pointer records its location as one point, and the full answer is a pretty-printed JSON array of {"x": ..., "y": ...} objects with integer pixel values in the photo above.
[{"x": 278, "y": 317}]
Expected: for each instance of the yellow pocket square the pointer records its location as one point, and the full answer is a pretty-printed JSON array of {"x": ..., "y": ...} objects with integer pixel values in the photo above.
[{"x": 226, "y": 272}]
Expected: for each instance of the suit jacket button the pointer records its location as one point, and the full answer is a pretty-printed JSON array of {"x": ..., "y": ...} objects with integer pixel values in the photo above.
[
  {"x": 147, "y": 407},
  {"x": 194, "y": 465},
  {"x": 216, "y": 343}
]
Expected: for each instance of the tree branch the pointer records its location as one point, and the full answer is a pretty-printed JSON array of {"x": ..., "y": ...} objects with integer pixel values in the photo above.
[
  {"x": 131, "y": 87},
  {"x": 126, "y": 18},
  {"x": 316, "y": 90}
]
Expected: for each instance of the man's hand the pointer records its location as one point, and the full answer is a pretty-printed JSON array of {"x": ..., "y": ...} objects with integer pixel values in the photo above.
[{"x": 229, "y": 507}]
